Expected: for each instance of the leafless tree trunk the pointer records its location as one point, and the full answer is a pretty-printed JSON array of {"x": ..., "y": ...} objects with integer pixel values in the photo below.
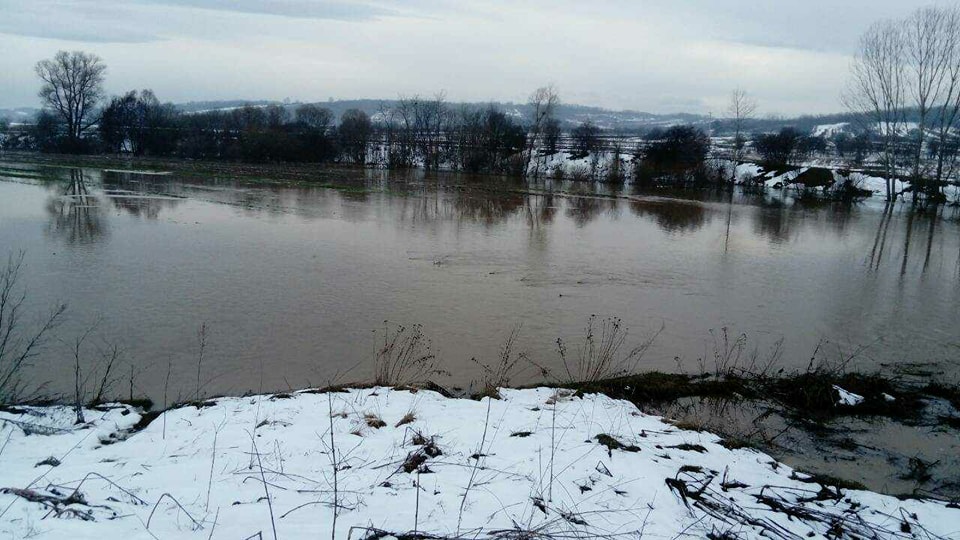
[
  {"x": 927, "y": 61},
  {"x": 741, "y": 108},
  {"x": 402, "y": 125},
  {"x": 878, "y": 88},
  {"x": 543, "y": 104},
  {"x": 428, "y": 116},
  {"x": 949, "y": 111},
  {"x": 72, "y": 86}
]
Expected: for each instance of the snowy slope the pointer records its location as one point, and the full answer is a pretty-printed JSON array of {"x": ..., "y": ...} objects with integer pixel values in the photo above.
[{"x": 573, "y": 466}]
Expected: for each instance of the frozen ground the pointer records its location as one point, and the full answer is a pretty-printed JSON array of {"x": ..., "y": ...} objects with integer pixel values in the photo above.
[{"x": 533, "y": 464}]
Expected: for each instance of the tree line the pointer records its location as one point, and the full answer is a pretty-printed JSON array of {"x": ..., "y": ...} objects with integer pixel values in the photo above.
[
  {"x": 911, "y": 65},
  {"x": 904, "y": 70},
  {"x": 411, "y": 132}
]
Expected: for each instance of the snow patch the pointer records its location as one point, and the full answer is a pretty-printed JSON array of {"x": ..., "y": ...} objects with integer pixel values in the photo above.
[
  {"x": 847, "y": 398},
  {"x": 536, "y": 463}
]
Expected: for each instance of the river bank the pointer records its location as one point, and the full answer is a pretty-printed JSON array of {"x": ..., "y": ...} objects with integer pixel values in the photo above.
[
  {"x": 384, "y": 462},
  {"x": 350, "y": 176},
  {"x": 334, "y": 175}
]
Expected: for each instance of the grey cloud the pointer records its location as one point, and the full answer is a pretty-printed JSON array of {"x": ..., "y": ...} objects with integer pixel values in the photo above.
[
  {"x": 301, "y": 9},
  {"x": 71, "y": 21},
  {"x": 814, "y": 25},
  {"x": 77, "y": 34},
  {"x": 635, "y": 54},
  {"x": 144, "y": 21}
]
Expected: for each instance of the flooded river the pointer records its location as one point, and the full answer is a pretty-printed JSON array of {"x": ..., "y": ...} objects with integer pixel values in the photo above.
[{"x": 294, "y": 282}]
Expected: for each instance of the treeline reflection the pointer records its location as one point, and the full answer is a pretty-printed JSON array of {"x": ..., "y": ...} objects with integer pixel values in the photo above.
[{"x": 80, "y": 202}]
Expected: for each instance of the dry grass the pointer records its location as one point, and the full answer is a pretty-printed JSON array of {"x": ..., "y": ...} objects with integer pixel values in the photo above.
[
  {"x": 500, "y": 374},
  {"x": 730, "y": 357},
  {"x": 405, "y": 357},
  {"x": 599, "y": 356},
  {"x": 416, "y": 459},
  {"x": 373, "y": 421},
  {"x": 407, "y": 419}
]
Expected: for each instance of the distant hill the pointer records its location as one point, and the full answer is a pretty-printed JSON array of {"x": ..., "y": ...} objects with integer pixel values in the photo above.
[
  {"x": 19, "y": 115},
  {"x": 571, "y": 115}
]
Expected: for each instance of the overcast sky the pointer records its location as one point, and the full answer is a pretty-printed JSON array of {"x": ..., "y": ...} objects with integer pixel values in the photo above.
[{"x": 657, "y": 56}]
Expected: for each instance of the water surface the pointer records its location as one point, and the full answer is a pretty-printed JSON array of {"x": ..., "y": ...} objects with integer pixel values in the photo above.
[{"x": 294, "y": 283}]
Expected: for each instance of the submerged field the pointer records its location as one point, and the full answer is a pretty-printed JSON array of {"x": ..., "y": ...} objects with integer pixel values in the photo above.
[{"x": 295, "y": 281}]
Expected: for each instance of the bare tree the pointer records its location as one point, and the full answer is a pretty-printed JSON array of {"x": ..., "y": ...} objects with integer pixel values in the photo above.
[
  {"x": 72, "y": 86},
  {"x": 741, "y": 108},
  {"x": 878, "y": 89},
  {"x": 948, "y": 113},
  {"x": 314, "y": 117},
  {"x": 400, "y": 122},
  {"x": 927, "y": 56},
  {"x": 18, "y": 346},
  {"x": 543, "y": 104},
  {"x": 428, "y": 117}
]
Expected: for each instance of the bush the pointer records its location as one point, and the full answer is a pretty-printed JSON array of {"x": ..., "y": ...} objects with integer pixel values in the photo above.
[
  {"x": 354, "y": 135},
  {"x": 586, "y": 139},
  {"x": 778, "y": 149},
  {"x": 677, "y": 157}
]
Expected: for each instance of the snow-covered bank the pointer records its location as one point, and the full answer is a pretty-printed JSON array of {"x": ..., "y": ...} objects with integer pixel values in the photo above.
[{"x": 573, "y": 466}]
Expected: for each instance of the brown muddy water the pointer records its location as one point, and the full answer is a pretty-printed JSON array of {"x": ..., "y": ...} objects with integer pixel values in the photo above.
[{"x": 294, "y": 282}]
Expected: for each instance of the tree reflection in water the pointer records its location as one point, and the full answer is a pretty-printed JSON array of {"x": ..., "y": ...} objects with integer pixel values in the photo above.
[
  {"x": 76, "y": 215},
  {"x": 138, "y": 195},
  {"x": 583, "y": 209},
  {"x": 672, "y": 216},
  {"x": 540, "y": 210},
  {"x": 142, "y": 206},
  {"x": 489, "y": 209}
]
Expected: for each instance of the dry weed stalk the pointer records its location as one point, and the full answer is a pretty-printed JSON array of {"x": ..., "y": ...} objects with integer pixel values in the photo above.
[
  {"x": 102, "y": 372},
  {"x": 598, "y": 357},
  {"x": 202, "y": 345},
  {"x": 405, "y": 357},
  {"x": 729, "y": 360},
  {"x": 336, "y": 466},
  {"x": 476, "y": 465},
  {"x": 499, "y": 375}
]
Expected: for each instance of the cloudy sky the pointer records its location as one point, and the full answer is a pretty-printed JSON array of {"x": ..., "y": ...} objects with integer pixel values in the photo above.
[{"x": 651, "y": 55}]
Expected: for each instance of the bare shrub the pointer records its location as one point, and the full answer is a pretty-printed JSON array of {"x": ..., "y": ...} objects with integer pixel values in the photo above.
[
  {"x": 727, "y": 353},
  {"x": 499, "y": 375},
  {"x": 733, "y": 357},
  {"x": 18, "y": 345},
  {"x": 598, "y": 357},
  {"x": 93, "y": 381},
  {"x": 109, "y": 360},
  {"x": 405, "y": 357},
  {"x": 579, "y": 173}
]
